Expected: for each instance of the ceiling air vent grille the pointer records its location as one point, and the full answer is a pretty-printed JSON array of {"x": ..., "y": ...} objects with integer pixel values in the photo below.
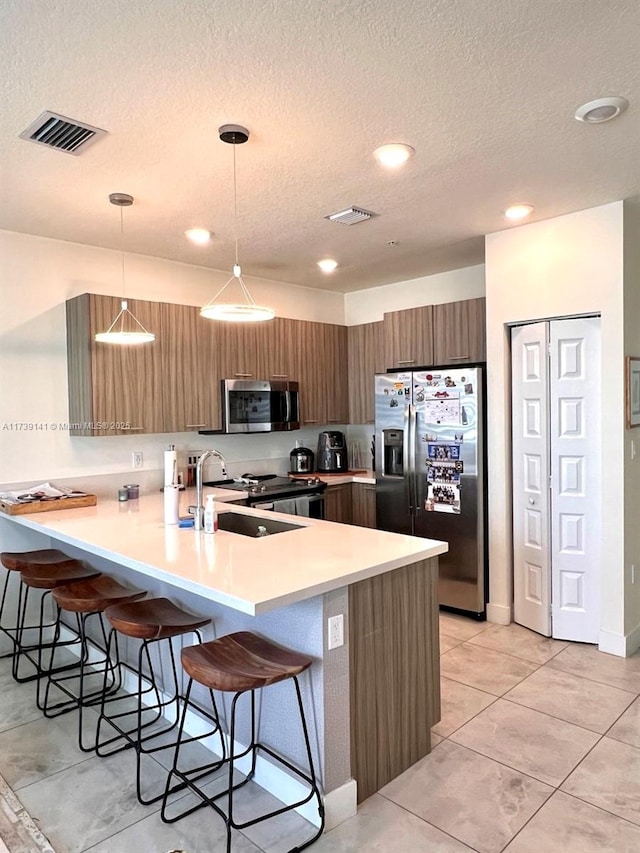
[
  {"x": 351, "y": 215},
  {"x": 62, "y": 133}
]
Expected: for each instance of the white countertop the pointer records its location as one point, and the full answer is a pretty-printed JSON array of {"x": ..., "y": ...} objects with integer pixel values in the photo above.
[{"x": 246, "y": 574}]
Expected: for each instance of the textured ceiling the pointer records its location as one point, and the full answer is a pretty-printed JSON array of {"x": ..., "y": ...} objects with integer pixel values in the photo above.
[{"x": 484, "y": 90}]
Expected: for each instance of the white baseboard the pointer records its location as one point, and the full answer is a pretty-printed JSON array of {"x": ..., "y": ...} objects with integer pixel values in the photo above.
[
  {"x": 499, "y": 614},
  {"x": 619, "y": 644},
  {"x": 340, "y": 804}
]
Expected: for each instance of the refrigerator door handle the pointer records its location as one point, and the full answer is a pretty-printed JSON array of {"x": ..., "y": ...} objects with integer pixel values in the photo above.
[
  {"x": 406, "y": 456},
  {"x": 413, "y": 473}
]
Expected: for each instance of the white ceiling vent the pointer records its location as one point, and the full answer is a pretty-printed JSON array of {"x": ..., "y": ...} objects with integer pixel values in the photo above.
[
  {"x": 62, "y": 133},
  {"x": 351, "y": 215}
]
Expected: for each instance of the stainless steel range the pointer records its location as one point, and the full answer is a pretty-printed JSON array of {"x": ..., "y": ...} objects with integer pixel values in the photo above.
[{"x": 280, "y": 494}]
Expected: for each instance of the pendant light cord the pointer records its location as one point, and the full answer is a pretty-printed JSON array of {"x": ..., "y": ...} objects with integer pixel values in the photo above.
[
  {"x": 124, "y": 292},
  {"x": 235, "y": 203}
]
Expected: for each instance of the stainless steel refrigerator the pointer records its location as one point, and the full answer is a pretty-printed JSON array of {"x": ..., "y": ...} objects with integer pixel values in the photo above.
[{"x": 431, "y": 471}]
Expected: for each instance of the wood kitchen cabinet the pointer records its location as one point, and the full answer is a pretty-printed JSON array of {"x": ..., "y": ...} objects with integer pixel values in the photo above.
[
  {"x": 408, "y": 338},
  {"x": 238, "y": 346},
  {"x": 335, "y": 376},
  {"x": 321, "y": 354},
  {"x": 310, "y": 369},
  {"x": 459, "y": 332},
  {"x": 363, "y": 498},
  {"x": 190, "y": 354},
  {"x": 337, "y": 504},
  {"x": 365, "y": 359},
  {"x": 277, "y": 350},
  {"x": 113, "y": 390}
]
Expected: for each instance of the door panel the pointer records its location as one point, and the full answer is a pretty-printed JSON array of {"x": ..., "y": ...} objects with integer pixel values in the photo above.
[
  {"x": 575, "y": 478},
  {"x": 531, "y": 558}
]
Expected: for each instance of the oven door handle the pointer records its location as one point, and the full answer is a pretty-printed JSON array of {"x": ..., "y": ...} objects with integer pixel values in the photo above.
[{"x": 268, "y": 506}]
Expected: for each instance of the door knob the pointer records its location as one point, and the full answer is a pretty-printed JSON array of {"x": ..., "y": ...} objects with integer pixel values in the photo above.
[{"x": 532, "y": 501}]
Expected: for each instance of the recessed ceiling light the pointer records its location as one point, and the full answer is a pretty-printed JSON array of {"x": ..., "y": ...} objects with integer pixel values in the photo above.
[
  {"x": 602, "y": 109},
  {"x": 518, "y": 211},
  {"x": 393, "y": 155},
  {"x": 327, "y": 265},
  {"x": 199, "y": 236}
]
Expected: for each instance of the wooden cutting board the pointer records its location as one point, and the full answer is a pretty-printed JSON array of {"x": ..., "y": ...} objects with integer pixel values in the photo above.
[{"x": 47, "y": 506}]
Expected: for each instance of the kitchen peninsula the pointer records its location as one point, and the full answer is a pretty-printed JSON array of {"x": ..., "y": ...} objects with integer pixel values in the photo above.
[{"x": 384, "y": 680}]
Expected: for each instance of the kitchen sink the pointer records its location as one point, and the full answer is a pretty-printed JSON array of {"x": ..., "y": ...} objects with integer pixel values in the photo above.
[{"x": 251, "y": 525}]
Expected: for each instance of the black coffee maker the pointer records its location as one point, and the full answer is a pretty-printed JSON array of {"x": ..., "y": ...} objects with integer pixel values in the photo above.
[{"x": 331, "y": 457}]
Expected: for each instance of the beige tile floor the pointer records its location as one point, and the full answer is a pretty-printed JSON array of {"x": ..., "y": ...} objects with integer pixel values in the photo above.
[{"x": 538, "y": 750}]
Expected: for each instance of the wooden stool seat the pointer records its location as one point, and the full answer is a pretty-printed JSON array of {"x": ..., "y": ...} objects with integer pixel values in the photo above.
[
  {"x": 54, "y": 575},
  {"x": 241, "y": 661},
  {"x": 17, "y": 561},
  {"x": 94, "y": 595},
  {"x": 152, "y": 619}
]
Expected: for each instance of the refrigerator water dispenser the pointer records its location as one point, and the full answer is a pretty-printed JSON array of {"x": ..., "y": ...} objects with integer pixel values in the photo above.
[{"x": 393, "y": 452}]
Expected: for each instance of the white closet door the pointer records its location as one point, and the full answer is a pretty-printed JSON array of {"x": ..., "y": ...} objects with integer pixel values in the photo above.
[
  {"x": 575, "y": 478},
  {"x": 530, "y": 437}
]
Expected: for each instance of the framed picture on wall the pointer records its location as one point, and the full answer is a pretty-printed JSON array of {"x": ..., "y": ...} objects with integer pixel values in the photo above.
[{"x": 633, "y": 392}]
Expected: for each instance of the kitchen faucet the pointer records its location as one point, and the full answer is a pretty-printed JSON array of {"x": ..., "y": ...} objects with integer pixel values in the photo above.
[{"x": 199, "y": 504}]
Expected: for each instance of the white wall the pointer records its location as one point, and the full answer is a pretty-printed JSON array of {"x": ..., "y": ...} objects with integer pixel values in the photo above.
[
  {"x": 632, "y": 466},
  {"x": 561, "y": 267},
  {"x": 37, "y": 276},
  {"x": 367, "y": 306}
]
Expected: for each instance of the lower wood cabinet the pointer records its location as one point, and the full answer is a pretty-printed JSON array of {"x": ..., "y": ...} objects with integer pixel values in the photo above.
[
  {"x": 337, "y": 503},
  {"x": 363, "y": 498}
]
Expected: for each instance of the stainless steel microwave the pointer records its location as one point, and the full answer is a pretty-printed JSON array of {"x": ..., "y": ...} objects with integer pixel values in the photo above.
[{"x": 259, "y": 405}]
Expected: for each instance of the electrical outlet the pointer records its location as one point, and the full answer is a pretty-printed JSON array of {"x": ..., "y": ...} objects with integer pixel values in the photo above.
[
  {"x": 136, "y": 459},
  {"x": 335, "y": 631}
]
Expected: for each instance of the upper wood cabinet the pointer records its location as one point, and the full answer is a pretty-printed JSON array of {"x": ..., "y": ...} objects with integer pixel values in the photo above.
[
  {"x": 408, "y": 338},
  {"x": 113, "y": 390},
  {"x": 321, "y": 359},
  {"x": 190, "y": 355},
  {"x": 335, "y": 376},
  {"x": 365, "y": 358},
  {"x": 237, "y": 345},
  {"x": 277, "y": 350},
  {"x": 310, "y": 370},
  {"x": 459, "y": 332}
]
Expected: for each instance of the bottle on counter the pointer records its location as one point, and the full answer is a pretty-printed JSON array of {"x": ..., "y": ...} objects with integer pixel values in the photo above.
[{"x": 210, "y": 516}]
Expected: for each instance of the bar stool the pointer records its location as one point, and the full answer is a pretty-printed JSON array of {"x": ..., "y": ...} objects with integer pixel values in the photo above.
[
  {"x": 240, "y": 663},
  {"x": 14, "y": 562},
  {"x": 85, "y": 599},
  {"x": 45, "y": 577},
  {"x": 151, "y": 621}
]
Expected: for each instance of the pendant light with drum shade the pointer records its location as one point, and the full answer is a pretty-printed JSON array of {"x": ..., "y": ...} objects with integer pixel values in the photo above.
[
  {"x": 126, "y": 328},
  {"x": 238, "y": 312}
]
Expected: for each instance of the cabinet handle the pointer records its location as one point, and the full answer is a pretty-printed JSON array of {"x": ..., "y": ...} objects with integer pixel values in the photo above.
[
  {"x": 242, "y": 375},
  {"x": 279, "y": 375},
  {"x": 194, "y": 426},
  {"x": 335, "y": 420},
  {"x": 407, "y": 361},
  {"x": 458, "y": 357},
  {"x": 369, "y": 488},
  {"x": 370, "y": 421},
  {"x": 309, "y": 420},
  {"x": 131, "y": 429}
]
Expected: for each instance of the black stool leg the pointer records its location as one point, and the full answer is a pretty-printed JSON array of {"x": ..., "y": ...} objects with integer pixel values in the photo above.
[
  {"x": 197, "y": 772},
  {"x": 10, "y": 632}
]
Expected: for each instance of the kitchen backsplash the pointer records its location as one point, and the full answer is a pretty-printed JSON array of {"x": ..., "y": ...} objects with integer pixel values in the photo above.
[{"x": 102, "y": 465}]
